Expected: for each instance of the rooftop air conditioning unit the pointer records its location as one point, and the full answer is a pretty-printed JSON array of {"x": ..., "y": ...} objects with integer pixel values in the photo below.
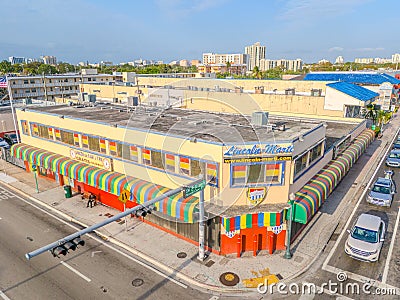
[{"x": 259, "y": 118}]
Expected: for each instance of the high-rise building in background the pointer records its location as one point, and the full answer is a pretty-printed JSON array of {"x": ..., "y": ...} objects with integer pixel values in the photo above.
[
  {"x": 364, "y": 60},
  {"x": 255, "y": 53},
  {"x": 396, "y": 58},
  {"x": 339, "y": 60},
  {"x": 49, "y": 60},
  {"x": 214, "y": 58},
  {"x": 16, "y": 60}
]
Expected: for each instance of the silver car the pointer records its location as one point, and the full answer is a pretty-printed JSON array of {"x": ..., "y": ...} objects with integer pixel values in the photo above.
[
  {"x": 382, "y": 191},
  {"x": 393, "y": 159},
  {"x": 366, "y": 238}
]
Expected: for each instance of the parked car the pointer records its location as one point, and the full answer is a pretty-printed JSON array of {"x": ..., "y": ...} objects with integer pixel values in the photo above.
[
  {"x": 4, "y": 144},
  {"x": 382, "y": 191},
  {"x": 366, "y": 238},
  {"x": 11, "y": 138},
  {"x": 393, "y": 159},
  {"x": 396, "y": 145}
]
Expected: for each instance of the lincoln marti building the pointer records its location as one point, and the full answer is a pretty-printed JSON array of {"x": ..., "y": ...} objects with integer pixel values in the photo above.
[{"x": 252, "y": 165}]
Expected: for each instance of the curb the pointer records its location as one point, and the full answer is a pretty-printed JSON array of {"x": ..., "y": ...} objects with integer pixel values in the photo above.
[{"x": 142, "y": 255}]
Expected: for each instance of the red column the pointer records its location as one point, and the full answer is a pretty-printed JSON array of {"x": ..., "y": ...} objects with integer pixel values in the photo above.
[
  {"x": 271, "y": 238},
  {"x": 239, "y": 245},
  {"x": 255, "y": 244}
]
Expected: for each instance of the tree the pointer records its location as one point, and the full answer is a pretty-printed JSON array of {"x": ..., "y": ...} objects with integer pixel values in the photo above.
[
  {"x": 6, "y": 67},
  {"x": 372, "y": 113},
  {"x": 257, "y": 73}
]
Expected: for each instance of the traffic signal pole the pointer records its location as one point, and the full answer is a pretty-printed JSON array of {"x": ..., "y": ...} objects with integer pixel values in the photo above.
[{"x": 108, "y": 221}]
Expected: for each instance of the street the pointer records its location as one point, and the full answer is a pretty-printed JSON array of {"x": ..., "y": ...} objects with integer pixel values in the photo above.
[{"x": 96, "y": 270}]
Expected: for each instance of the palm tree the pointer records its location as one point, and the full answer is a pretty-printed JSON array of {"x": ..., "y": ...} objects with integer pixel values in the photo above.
[
  {"x": 257, "y": 73},
  {"x": 371, "y": 113}
]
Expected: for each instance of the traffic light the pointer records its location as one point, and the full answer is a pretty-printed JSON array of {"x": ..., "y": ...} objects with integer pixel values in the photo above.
[
  {"x": 63, "y": 248},
  {"x": 145, "y": 211}
]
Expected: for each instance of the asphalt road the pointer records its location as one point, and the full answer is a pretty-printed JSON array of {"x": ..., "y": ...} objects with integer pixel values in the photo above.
[{"x": 94, "y": 271}]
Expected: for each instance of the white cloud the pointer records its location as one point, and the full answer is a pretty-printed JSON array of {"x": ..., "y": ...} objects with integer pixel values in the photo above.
[
  {"x": 183, "y": 8},
  {"x": 339, "y": 49},
  {"x": 305, "y": 9},
  {"x": 369, "y": 49}
]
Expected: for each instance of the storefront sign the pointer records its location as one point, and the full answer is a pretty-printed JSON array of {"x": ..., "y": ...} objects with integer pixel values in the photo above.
[
  {"x": 263, "y": 149},
  {"x": 256, "y": 195},
  {"x": 256, "y": 159},
  {"x": 91, "y": 159},
  {"x": 231, "y": 234},
  {"x": 277, "y": 229}
]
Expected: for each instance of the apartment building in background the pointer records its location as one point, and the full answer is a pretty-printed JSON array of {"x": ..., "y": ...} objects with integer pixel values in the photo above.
[
  {"x": 256, "y": 53},
  {"x": 49, "y": 87},
  {"x": 214, "y": 58},
  {"x": 286, "y": 64},
  {"x": 49, "y": 60}
]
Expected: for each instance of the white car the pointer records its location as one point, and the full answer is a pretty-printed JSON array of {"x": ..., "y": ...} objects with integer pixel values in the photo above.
[
  {"x": 366, "y": 238},
  {"x": 4, "y": 144}
]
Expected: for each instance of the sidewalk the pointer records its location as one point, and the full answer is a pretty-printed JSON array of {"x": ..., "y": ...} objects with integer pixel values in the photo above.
[{"x": 160, "y": 248}]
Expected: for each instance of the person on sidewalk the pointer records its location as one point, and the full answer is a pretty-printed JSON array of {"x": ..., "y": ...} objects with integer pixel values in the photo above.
[{"x": 91, "y": 200}]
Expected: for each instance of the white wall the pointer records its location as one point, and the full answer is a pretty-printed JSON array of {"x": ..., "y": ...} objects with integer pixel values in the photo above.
[{"x": 335, "y": 100}]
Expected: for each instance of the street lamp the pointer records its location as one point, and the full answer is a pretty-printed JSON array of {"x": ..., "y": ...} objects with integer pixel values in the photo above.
[{"x": 292, "y": 197}]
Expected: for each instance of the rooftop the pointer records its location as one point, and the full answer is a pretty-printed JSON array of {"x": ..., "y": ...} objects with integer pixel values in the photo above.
[
  {"x": 353, "y": 90},
  {"x": 202, "y": 125},
  {"x": 374, "y": 78}
]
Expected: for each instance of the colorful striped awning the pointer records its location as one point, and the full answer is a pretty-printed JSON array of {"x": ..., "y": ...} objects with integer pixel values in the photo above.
[
  {"x": 175, "y": 206},
  {"x": 262, "y": 219},
  {"x": 314, "y": 193}
]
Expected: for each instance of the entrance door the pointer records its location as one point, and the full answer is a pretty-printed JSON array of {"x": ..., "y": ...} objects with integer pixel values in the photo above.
[{"x": 244, "y": 243}]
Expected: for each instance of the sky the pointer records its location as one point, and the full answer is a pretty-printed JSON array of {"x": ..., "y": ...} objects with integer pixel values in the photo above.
[{"x": 125, "y": 30}]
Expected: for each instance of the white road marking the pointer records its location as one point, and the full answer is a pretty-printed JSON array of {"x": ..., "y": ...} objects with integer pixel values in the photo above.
[
  {"x": 75, "y": 271},
  {"x": 355, "y": 208},
  {"x": 362, "y": 279},
  {"x": 94, "y": 252},
  {"x": 214, "y": 298},
  {"x": 103, "y": 243},
  {"x": 2, "y": 295},
  {"x": 387, "y": 264}
]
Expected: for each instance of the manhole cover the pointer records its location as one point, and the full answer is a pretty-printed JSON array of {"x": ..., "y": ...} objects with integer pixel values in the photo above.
[
  {"x": 137, "y": 282},
  {"x": 229, "y": 279},
  {"x": 181, "y": 255}
]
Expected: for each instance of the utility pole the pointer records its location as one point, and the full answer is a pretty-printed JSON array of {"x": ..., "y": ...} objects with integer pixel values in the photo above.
[{"x": 44, "y": 87}]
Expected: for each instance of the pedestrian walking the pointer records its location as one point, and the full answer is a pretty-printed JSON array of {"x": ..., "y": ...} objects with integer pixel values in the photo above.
[{"x": 91, "y": 200}]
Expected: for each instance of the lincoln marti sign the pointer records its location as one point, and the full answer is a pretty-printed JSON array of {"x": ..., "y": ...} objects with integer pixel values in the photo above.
[
  {"x": 259, "y": 150},
  {"x": 91, "y": 159}
]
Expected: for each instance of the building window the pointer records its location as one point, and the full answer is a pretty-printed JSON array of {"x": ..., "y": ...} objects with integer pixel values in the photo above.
[
  {"x": 57, "y": 133},
  {"x": 76, "y": 139},
  {"x": 94, "y": 144},
  {"x": 196, "y": 167},
  {"x": 239, "y": 175},
  {"x": 51, "y": 133},
  {"x": 211, "y": 173},
  {"x": 113, "y": 148},
  {"x": 300, "y": 164},
  {"x": 43, "y": 131},
  {"x": 133, "y": 153},
  {"x": 184, "y": 165},
  {"x": 255, "y": 173},
  {"x": 67, "y": 137},
  {"x": 273, "y": 173},
  {"x": 169, "y": 164},
  {"x": 316, "y": 152},
  {"x": 156, "y": 159},
  {"x": 126, "y": 152},
  {"x": 35, "y": 130},
  {"x": 85, "y": 141},
  {"x": 26, "y": 82},
  {"x": 146, "y": 156},
  {"x": 103, "y": 148},
  {"x": 24, "y": 127}
]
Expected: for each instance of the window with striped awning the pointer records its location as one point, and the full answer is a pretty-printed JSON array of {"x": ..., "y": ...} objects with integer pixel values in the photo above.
[
  {"x": 146, "y": 156},
  {"x": 211, "y": 173},
  {"x": 57, "y": 133},
  {"x": 113, "y": 148},
  {"x": 272, "y": 172},
  {"x": 85, "y": 141},
  {"x": 103, "y": 148},
  {"x": 238, "y": 174},
  {"x": 24, "y": 126},
  {"x": 35, "y": 130},
  {"x": 51, "y": 133},
  {"x": 184, "y": 165}
]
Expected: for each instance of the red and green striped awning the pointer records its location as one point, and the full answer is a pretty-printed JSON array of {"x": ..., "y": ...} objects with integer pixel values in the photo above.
[
  {"x": 262, "y": 219},
  {"x": 175, "y": 206},
  {"x": 314, "y": 193}
]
